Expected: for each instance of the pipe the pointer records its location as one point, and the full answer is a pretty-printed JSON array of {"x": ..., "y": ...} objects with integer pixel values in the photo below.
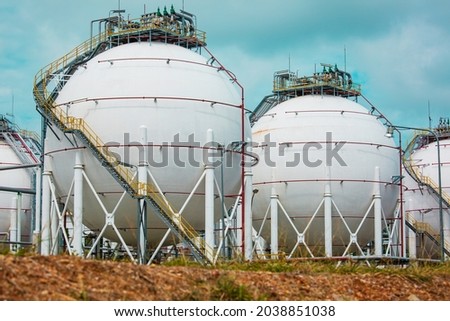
[
  {"x": 341, "y": 73},
  {"x": 7, "y": 168},
  {"x": 185, "y": 15},
  {"x": 17, "y": 190}
]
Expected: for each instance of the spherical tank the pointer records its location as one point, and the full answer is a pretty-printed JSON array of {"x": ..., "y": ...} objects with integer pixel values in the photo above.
[
  {"x": 308, "y": 142},
  {"x": 17, "y": 178},
  {"x": 422, "y": 202},
  {"x": 177, "y": 95}
]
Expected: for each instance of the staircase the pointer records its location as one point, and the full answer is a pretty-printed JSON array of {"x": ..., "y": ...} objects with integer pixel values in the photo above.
[
  {"x": 45, "y": 98},
  {"x": 266, "y": 104},
  {"x": 414, "y": 172},
  {"x": 20, "y": 147},
  {"x": 425, "y": 228}
]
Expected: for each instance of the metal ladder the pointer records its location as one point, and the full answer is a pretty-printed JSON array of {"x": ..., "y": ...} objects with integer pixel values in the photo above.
[{"x": 21, "y": 149}]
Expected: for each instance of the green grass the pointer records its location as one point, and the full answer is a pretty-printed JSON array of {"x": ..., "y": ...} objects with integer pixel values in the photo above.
[
  {"x": 419, "y": 271},
  {"x": 228, "y": 290}
]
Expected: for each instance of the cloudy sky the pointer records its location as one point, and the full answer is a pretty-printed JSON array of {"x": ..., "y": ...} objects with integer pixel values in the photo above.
[{"x": 398, "y": 50}]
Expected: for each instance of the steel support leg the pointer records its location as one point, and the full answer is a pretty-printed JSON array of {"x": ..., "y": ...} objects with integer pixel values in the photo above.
[
  {"x": 274, "y": 224},
  {"x": 328, "y": 219},
  {"x": 209, "y": 200},
  {"x": 46, "y": 209},
  {"x": 77, "y": 241},
  {"x": 248, "y": 225},
  {"x": 142, "y": 204},
  {"x": 377, "y": 214},
  {"x": 13, "y": 225},
  {"x": 412, "y": 244}
]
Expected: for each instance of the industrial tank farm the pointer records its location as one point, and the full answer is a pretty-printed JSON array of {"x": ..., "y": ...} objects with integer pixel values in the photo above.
[
  {"x": 146, "y": 138},
  {"x": 318, "y": 146}
]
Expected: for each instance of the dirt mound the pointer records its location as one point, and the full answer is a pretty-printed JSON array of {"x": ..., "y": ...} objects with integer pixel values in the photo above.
[{"x": 71, "y": 278}]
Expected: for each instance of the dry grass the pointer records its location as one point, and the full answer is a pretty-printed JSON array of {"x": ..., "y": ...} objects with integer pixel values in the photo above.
[{"x": 33, "y": 277}]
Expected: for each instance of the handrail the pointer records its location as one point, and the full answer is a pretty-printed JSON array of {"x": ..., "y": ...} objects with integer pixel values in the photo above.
[
  {"x": 426, "y": 228},
  {"x": 46, "y": 73},
  {"x": 134, "y": 25},
  {"x": 353, "y": 88}
]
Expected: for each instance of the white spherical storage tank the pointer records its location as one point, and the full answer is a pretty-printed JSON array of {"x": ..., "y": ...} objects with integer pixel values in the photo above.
[
  {"x": 177, "y": 95},
  {"x": 313, "y": 147},
  {"x": 14, "y": 179},
  {"x": 421, "y": 200}
]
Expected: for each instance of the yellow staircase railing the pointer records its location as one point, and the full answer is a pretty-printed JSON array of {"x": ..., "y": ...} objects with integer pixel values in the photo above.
[
  {"x": 422, "y": 227},
  {"x": 426, "y": 180}
]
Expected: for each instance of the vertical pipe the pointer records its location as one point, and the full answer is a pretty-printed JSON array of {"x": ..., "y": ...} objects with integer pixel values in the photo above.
[
  {"x": 248, "y": 244},
  {"x": 46, "y": 206},
  {"x": 328, "y": 224},
  {"x": 13, "y": 225},
  {"x": 142, "y": 205},
  {"x": 274, "y": 224},
  {"x": 377, "y": 215},
  {"x": 209, "y": 198},
  {"x": 78, "y": 206}
]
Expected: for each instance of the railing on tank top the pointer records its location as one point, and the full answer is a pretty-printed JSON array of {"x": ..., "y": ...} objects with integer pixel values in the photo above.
[{"x": 46, "y": 74}]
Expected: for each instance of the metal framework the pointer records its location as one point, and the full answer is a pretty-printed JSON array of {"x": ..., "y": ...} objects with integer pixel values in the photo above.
[
  {"x": 390, "y": 228},
  {"x": 286, "y": 85}
]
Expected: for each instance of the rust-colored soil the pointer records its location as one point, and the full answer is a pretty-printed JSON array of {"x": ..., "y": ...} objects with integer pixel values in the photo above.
[{"x": 71, "y": 278}]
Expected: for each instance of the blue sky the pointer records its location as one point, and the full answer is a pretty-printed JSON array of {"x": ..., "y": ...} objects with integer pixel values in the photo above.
[{"x": 398, "y": 50}]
